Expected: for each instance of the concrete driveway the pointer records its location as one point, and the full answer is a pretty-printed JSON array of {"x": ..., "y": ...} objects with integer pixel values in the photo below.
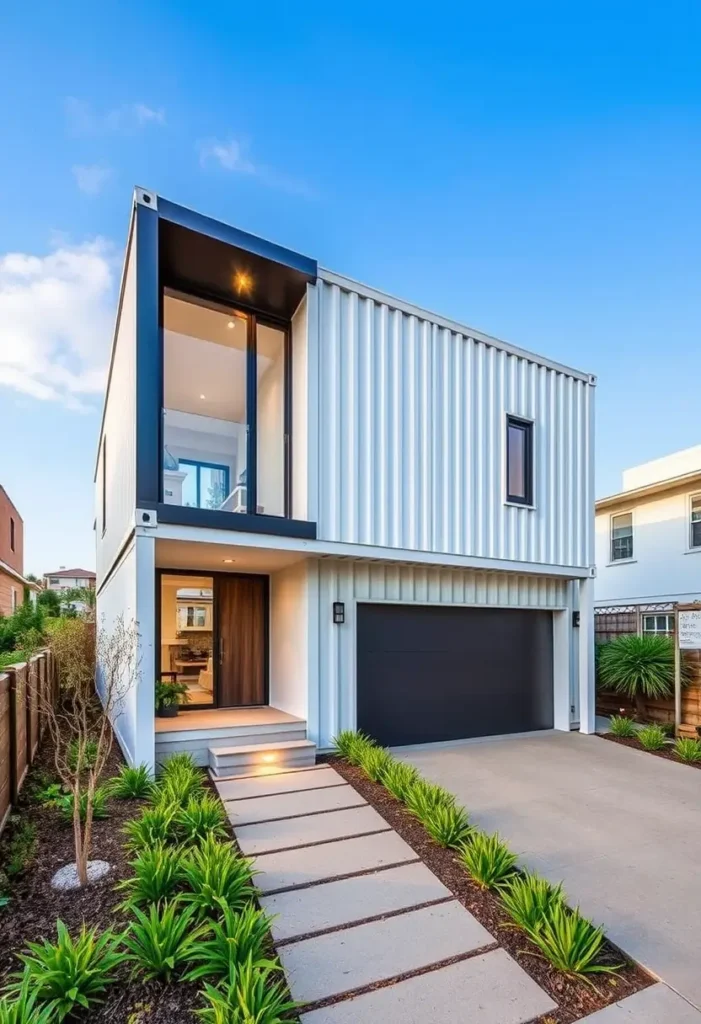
[{"x": 621, "y": 828}]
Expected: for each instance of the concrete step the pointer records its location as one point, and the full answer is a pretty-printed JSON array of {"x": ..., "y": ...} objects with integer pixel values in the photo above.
[{"x": 260, "y": 758}]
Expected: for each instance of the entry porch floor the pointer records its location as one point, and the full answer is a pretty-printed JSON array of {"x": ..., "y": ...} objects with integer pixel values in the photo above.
[{"x": 223, "y": 718}]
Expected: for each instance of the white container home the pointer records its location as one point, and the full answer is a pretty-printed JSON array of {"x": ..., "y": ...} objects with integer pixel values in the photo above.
[{"x": 327, "y": 508}]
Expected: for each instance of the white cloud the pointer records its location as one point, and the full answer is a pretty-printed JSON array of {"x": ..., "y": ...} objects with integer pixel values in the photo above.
[
  {"x": 91, "y": 178},
  {"x": 56, "y": 321},
  {"x": 83, "y": 120},
  {"x": 231, "y": 155}
]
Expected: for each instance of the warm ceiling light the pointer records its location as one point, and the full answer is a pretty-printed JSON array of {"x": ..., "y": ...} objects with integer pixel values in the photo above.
[
  {"x": 231, "y": 325},
  {"x": 268, "y": 758},
  {"x": 228, "y": 560},
  {"x": 201, "y": 396},
  {"x": 242, "y": 281}
]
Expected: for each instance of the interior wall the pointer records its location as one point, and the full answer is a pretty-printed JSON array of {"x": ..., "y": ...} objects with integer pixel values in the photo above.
[
  {"x": 289, "y": 639},
  {"x": 271, "y": 451},
  {"x": 300, "y": 398}
]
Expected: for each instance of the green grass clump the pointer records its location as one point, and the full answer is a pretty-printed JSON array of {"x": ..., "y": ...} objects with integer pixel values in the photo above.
[
  {"x": 488, "y": 860},
  {"x": 448, "y": 826},
  {"x": 399, "y": 777},
  {"x": 158, "y": 874},
  {"x": 423, "y": 798},
  {"x": 214, "y": 874},
  {"x": 652, "y": 737},
  {"x": 153, "y": 826},
  {"x": 375, "y": 761},
  {"x": 158, "y": 943},
  {"x": 202, "y": 816},
  {"x": 353, "y": 745},
  {"x": 250, "y": 993},
  {"x": 571, "y": 942},
  {"x": 688, "y": 749},
  {"x": 81, "y": 760},
  {"x": 21, "y": 847},
  {"x": 131, "y": 783},
  {"x": 622, "y": 726},
  {"x": 99, "y": 805},
  {"x": 230, "y": 943},
  {"x": 23, "y": 1007},
  {"x": 530, "y": 899}
]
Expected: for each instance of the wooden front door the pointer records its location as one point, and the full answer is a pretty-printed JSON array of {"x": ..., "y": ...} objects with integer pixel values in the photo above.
[{"x": 241, "y": 603}]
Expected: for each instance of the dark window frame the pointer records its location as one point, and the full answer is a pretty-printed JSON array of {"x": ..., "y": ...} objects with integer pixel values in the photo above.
[
  {"x": 12, "y": 534},
  {"x": 527, "y": 427},
  {"x": 200, "y": 464},
  {"x": 694, "y": 524},
  {"x": 627, "y": 557}
]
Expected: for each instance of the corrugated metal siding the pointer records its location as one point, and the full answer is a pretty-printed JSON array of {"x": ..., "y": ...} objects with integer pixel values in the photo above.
[
  {"x": 119, "y": 430},
  {"x": 351, "y": 581},
  {"x": 411, "y": 440}
]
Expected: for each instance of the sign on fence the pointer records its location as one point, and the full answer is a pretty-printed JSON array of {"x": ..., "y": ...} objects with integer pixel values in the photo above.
[{"x": 690, "y": 630}]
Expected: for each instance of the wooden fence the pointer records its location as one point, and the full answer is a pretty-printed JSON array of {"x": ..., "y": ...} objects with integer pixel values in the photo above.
[
  {"x": 24, "y": 689},
  {"x": 662, "y": 710}
]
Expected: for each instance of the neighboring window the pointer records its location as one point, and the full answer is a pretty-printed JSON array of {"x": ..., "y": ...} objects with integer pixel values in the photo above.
[
  {"x": 54, "y": 581},
  {"x": 13, "y": 598},
  {"x": 621, "y": 536},
  {"x": 519, "y": 461},
  {"x": 12, "y": 534},
  {"x": 662, "y": 624},
  {"x": 104, "y": 484},
  {"x": 695, "y": 539}
]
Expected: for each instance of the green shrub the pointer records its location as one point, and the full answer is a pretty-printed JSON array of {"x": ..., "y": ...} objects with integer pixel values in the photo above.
[
  {"x": 652, "y": 737},
  {"x": 640, "y": 667},
  {"x": 622, "y": 726},
  {"x": 488, "y": 859},
  {"x": 177, "y": 763},
  {"x": 232, "y": 940},
  {"x": 399, "y": 777},
  {"x": 87, "y": 758},
  {"x": 202, "y": 816},
  {"x": 214, "y": 873},
  {"x": 250, "y": 994},
  {"x": 345, "y": 741},
  {"x": 570, "y": 942},
  {"x": 353, "y": 745},
  {"x": 180, "y": 780},
  {"x": 158, "y": 943},
  {"x": 688, "y": 749},
  {"x": 99, "y": 805},
  {"x": 131, "y": 783},
  {"x": 529, "y": 899},
  {"x": 375, "y": 761},
  {"x": 448, "y": 826},
  {"x": 71, "y": 974},
  {"x": 23, "y": 1007},
  {"x": 21, "y": 846},
  {"x": 158, "y": 873},
  {"x": 423, "y": 798},
  {"x": 154, "y": 825}
]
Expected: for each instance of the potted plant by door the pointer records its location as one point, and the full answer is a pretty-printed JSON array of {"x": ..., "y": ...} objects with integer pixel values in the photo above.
[{"x": 169, "y": 697}]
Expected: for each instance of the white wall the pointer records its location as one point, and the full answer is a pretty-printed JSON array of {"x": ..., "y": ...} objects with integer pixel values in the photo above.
[
  {"x": 332, "y": 663},
  {"x": 289, "y": 639},
  {"x": 300, "y": 406},
  {"x": 119, "y": 428},
  {"x": 664, "y": 567},
  {"x": 676, "y": 464},
  {"x": 411, "y": 437}
]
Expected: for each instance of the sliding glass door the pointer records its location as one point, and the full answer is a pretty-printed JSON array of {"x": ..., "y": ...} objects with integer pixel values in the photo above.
[{"x": 226, "y": 374}]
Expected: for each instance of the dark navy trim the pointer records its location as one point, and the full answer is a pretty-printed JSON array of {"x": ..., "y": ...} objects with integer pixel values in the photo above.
[
  {"x": 233, "y": 236},
  {"x": 149, "y": 375},
  {"x": 185, "y": 515},
  {"x": 199, "y": 465}
]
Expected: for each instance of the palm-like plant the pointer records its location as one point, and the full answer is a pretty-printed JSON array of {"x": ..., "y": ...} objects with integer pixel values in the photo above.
[
  {"x": 640, "y": 667},
  {"x": 24, "y": 1007},
  {"x": 214, "y": 875},
  {"x": 230, "y": 942},
  {"x": 250, "y": 993}
]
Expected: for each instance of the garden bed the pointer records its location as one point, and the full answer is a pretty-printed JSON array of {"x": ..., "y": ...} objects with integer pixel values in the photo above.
[
  {"x": 575, "y": 998},
  {"x": 667, "y": 753}
]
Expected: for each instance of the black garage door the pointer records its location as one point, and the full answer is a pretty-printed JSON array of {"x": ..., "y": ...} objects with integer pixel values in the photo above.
[{"x": 427, "y": 674}]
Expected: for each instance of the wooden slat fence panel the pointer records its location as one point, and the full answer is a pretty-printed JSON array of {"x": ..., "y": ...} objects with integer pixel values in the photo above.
[{"x": 5, "y": 761}]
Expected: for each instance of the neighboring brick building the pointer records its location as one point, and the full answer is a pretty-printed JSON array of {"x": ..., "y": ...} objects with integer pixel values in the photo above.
[{"x": 12, "y": 581}]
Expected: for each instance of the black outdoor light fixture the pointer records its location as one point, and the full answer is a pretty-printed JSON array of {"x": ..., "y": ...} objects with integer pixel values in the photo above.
[{"x": 339, "y": 613}]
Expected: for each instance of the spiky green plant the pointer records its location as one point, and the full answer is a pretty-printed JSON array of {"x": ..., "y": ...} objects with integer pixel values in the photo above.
[
  {"x": 354, "y": 745},
  {"x": 375, "y": 761},
  {"x": 201, "y": 817},
  {"x": 529, "y": 899},
  {"x": 131, "y": 783},
  {"x": 214, "y": 874},
  {"x": 640, "y": 667},
  {"x": 158, "y": 874},
  {"x": 571, "y": 943},
  {"x": 423, "y": 798},
  {"x": 177, "y": 763},
  {"x": 230, "y": 942},
  {"x": 70, "y": 974},
  {"x": 154, "y": 825},
  {"x": 652, "y": 737},
  {"x": 622, "y": 726},
  {"x": 346, "y": 740},
  {"x": 399, "y": 777},
  {"x": 81, "y": 760},
  {"x": 448, "y": 826},
  {"x": 158, "y": 943},
  {"x": 250, "y": 995},
  {"x": 24, "y": 1007},
  {"x": 64, "y": 802},
  {"x": 488, "y": 859},
  {"x": 688, "y": 749}
]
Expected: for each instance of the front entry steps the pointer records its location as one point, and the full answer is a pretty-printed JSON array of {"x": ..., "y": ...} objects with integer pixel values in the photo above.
[{"x": 260, "y": 758}]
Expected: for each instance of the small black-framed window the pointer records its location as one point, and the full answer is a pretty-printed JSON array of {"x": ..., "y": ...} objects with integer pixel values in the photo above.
[
  {"x": 104, "y": 485},
  {"x": 12, "y": 534},
  {"x": 695, "y": 524},
  {"x": 519, "y": 460},
  {"x": 622, "y": 537}
]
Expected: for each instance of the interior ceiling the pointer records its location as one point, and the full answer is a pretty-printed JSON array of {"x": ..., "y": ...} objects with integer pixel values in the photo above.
[
  {"x": 205, "y": 355},
  {"x": 190, "y": 582},
  {"x": 177, "y": 554}
]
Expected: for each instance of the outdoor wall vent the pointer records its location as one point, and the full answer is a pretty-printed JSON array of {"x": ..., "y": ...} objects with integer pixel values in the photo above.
[{"x": 146, "y": 517}]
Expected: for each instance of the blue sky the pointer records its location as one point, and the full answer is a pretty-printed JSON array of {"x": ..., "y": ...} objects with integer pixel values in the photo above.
[{"x": 532, "y": 170}]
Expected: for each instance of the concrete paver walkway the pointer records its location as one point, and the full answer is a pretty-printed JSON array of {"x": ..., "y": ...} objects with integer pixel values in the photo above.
[
  {"x": 620, "y": 827},
  {"x": 361, "y": 921}
]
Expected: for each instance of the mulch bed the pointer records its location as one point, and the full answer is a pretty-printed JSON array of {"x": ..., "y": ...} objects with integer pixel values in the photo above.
[
  {"x": 667, "y": 753},
  {"x": 575, "y": 998}
]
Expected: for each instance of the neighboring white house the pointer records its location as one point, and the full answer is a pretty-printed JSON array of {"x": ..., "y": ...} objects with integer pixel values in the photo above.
[
  {"x": 648, "y": 545},
  {"x": 327, "y": 508},
  {"x": 69, "y": 579}
]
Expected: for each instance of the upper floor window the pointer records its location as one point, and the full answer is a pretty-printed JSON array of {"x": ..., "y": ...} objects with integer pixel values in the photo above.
[
  {"x": 662, "y": 624},
  {"x": 695, "y": 538},
  {"x": 621, "y": 536},
  {"x": 12, "y": 534},
  {"x": 225, "y": 409},
  {"x": 519, "y": 460}
]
